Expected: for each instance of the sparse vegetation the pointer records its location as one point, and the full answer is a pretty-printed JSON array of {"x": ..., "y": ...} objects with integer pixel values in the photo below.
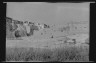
[{"x": 47, "y": 55}]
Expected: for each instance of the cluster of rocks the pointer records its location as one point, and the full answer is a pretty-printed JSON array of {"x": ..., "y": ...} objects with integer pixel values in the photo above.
[
  {"x": 77, "y": 39},
  {"x": 18, "y": 29}
]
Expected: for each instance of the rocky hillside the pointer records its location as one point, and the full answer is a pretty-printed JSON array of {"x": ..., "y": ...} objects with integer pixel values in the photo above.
[
  {"x": 17, "y": 29},
  {"x": 48, "y": 35}
]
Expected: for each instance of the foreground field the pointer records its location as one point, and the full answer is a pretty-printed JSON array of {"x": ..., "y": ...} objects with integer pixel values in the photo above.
[
  {"x": 51, "y": 45},
  {"x": 60, "y": 49},
  {"x": 60, "y": 54}
]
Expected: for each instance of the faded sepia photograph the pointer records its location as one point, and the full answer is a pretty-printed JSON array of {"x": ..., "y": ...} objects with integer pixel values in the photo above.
[{"x": 47, "y": 32}]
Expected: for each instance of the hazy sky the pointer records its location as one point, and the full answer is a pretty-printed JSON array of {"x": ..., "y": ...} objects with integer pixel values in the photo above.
[{"x": 48, "y": 13}]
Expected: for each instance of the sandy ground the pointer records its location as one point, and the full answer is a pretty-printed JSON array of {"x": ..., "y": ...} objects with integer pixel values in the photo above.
[{"x": 40, "y": 43}]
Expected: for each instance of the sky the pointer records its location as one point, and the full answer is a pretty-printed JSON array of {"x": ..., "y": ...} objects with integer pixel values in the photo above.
[{"x": 49, "y": 13}]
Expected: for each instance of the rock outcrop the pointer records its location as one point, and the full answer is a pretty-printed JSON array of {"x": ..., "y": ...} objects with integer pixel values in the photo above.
[{"x": 18, "y": 29}]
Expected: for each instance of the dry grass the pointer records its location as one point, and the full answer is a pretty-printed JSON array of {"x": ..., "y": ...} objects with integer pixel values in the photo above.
[{"x": 47, "y": 55}]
